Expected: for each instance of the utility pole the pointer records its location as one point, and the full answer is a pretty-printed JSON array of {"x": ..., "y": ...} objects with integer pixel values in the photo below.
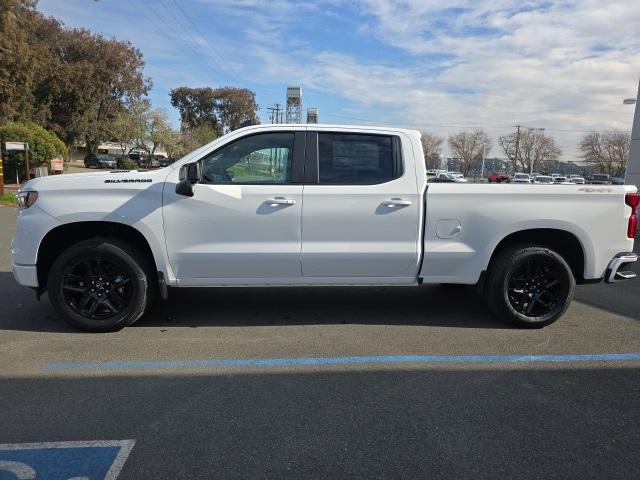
[
  {"x": 275, "y": 113},
  {"x": 26, "y": 160},
  {"x": 1, "y": 174},
  {"x": 517, "y": 146}
]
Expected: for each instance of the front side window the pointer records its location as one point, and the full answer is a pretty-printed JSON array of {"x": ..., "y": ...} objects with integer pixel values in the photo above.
[
  {"x": 347, "y": 158},
  {"x": 259, "y": 159}
]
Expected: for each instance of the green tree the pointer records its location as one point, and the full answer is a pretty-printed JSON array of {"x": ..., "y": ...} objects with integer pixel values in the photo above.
[
  {"x": 43, "y": 146},
  {"x": 235, "y": 106},
  {"x": 201, "y": 136},
  {"x": 222, "y": 109},
  {"x": 197, "y": 107},
  {"x": 72, "y": 81},
  {"x": 21, "y": 59}
]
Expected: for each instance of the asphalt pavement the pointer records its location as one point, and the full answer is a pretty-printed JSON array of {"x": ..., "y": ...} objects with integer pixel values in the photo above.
[{"x": 402, "y": 383}]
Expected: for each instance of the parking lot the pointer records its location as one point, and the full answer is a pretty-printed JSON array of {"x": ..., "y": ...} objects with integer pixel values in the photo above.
[{"x": 330, "y": 383}]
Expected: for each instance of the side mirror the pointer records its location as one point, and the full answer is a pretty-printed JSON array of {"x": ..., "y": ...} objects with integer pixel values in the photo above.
[{"x": 189, "y": 176}]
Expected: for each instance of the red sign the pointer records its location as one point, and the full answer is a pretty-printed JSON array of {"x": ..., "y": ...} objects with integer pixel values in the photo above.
[{"x": 57, "y": 164}]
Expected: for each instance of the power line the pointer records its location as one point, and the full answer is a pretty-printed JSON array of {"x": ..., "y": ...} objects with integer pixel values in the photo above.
[
  {"x": 187, "y": 31},
  {"x": 494, "y": 127},
  {"x": 213, "y": 49},
  {"x": 177, "y": 36}
]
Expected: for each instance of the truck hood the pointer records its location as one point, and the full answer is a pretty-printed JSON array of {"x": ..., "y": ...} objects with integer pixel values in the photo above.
[{"x": 96, "y": 180}]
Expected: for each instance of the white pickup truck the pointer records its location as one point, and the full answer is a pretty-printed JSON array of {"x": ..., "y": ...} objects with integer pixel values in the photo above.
[{"x": 292, "y": 205}]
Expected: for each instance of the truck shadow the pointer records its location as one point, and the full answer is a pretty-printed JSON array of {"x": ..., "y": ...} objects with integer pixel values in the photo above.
[
  {"x": 439, "y": 306},
  {"x": 428, "y": 306}
]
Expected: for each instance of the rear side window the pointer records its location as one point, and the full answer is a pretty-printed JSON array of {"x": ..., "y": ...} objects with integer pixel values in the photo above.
[{"x": 347, "y": 158}]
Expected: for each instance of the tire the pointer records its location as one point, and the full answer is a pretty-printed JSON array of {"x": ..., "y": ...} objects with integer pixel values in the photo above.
[
  {"x": 101, "y": 285},
  {"x": 523, "y": 273}
]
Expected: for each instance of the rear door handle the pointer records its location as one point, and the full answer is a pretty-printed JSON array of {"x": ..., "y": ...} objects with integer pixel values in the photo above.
[
  {"x": 274, "y": 202},
  {"x": 398, "y": 202}
]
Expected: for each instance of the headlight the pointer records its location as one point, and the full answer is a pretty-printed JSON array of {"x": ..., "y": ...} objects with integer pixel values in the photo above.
[{"x": 27, "y": 198}]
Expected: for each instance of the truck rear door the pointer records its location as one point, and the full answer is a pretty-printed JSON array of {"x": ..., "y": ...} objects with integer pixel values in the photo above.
[{"x": 361, "y": 207}]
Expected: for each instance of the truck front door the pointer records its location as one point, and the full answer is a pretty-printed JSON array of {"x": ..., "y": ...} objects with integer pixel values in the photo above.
[{"x": 243, "y": 224}]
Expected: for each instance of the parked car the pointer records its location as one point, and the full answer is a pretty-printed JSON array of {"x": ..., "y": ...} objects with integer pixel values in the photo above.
[
  {"x": 499, "y": 177},
  {"x": 599, "y": 179},
  {"x": 543, "y": 180},
  {"x": 458, "y": 177},
  {"x": 443, "y": 179},
  {"x": 453, "y": 176},
  {"x": 617, "y": 181},
  {"x": 140, "y": 157},
  {"x": 99, "y": 160},
  {"x": 561, "y": 181},
  {"x": 120, "y": 239},
  {"x": 578, "y": 180},
  {"x": 159, "y": 161},
  {"x": 434, "y": 172},
  {"x": 521, "y": 178}
]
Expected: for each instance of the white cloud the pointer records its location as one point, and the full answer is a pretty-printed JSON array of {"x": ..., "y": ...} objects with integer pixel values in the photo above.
[
  {"x": 564, "y": 65},
  {"x": 561, "y": 65}
]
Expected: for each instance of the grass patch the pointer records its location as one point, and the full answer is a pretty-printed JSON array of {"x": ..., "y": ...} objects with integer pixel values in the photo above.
[{"x": 8, "y": 199}]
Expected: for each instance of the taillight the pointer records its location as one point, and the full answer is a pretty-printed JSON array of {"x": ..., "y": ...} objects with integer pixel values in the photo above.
[{"x": 633, "y": 200}]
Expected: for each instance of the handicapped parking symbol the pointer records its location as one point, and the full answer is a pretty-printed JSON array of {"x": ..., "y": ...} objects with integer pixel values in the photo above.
[{"x": 92, "y": 460}]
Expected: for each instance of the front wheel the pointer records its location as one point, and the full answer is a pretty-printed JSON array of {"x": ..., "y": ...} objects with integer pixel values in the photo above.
[
  {"x": 529, "y": 286},
  {"x": 100, "y": 285}
]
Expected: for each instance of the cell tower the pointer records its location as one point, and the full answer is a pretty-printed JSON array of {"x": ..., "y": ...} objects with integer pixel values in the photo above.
[
  {"x": 312, "y": 115},
  {"x": 294, "y": 105}
]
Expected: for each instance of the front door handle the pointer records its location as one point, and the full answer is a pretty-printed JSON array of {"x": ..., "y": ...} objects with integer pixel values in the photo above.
[
  {"x": 398, "y": 202},
  {"x": 275, "y": 202}
]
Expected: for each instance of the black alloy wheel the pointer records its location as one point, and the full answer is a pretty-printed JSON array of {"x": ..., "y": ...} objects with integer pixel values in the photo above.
[
  {"x": 101, "y": 284},
  {"x": 96, "y": 288},
  {"x": 535, "y": 288},
  {"x": 529, "y": 286}
]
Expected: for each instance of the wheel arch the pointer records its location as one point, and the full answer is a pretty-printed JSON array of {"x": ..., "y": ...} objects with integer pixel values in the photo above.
[
  {"x": 63, "y": 236},
  {"x": 566, "y": 243}
]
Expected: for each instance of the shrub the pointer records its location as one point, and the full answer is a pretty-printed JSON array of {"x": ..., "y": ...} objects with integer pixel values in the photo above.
[{"x": 43, "y": 146}]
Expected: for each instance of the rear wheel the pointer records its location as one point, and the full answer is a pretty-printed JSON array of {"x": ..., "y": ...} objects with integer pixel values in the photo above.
[
  {"x": 100, "y": 285},
  {"x": 529, "y": 286}
]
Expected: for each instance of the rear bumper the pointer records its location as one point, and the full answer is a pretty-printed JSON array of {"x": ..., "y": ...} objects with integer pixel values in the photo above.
[
  {"x": 26, "y": 275},
  {"x": 617, "y": 269}
]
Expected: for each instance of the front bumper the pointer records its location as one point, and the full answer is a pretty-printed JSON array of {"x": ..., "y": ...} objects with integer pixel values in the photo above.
[
  {"x": 26, "y": 275},
  {"x": 617, "y": 269}
]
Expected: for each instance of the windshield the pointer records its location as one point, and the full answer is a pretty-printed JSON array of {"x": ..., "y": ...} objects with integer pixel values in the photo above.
[{"x": 544, "y": 179}]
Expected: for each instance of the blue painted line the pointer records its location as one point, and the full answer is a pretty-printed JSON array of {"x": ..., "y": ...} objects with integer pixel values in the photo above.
[{"x": 313, "y": 361}]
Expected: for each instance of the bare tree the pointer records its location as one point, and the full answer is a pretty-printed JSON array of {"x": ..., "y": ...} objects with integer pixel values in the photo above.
[
  {"x": 432, "y": 148},
  {"x": 607, "y": 151},
  {"x": 469, "y": 148},
  {"x": 533, "y": 146}
]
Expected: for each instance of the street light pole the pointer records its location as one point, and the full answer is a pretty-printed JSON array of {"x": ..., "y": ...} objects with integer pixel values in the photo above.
[{"x": 632, "y": 176}]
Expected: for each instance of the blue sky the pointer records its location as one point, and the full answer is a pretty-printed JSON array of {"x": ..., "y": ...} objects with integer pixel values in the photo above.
[{"x": 439, "y": 66}]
